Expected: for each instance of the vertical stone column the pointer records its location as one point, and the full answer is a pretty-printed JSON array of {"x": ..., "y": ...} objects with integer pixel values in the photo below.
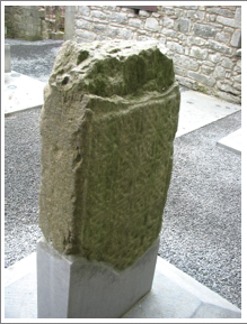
[
  {"x": 7, "y": 66},
  {"x": 69, "y": 22},
  {"x": 108, "y": 124}
]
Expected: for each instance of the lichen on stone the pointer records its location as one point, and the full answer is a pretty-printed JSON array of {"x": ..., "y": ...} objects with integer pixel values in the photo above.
[
  {"x": 118, "y": 69},
  {"x": 108, "y": 123}
]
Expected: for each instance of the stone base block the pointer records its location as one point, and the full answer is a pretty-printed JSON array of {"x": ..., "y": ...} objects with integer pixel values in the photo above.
[{"x": 73, "y": 287}]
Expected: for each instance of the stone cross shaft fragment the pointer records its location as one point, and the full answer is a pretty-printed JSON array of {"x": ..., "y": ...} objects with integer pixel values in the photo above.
[{"x": 107, "y": 125}]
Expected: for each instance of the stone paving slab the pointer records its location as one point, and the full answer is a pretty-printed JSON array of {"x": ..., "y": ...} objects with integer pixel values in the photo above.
[
  {"x": 174, "y": 295},
  {"x": 232, "y": 141},
  {"x": 22, "y": 92},
  {"x": 177, "y": 295},
  {"x": 198, "y": 109}
]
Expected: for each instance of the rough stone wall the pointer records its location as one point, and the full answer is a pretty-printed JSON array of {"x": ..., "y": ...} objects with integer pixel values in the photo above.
[
  {"x": 203, "y": 41},
  {"x": 25, "y": 22},
  {"x": 34, "y": 22}
]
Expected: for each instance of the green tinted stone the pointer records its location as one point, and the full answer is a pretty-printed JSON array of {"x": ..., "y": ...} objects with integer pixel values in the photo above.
[{"x": 108, "y": 124}]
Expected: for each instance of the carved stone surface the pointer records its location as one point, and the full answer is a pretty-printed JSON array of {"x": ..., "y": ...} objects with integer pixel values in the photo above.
[{"x": 108, "y": 123}]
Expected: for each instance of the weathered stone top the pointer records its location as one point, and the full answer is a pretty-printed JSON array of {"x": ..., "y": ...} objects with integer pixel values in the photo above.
[{"x": 117, "y": 68}]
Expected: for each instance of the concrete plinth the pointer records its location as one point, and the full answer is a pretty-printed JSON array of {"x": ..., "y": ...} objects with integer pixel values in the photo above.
[
  {"x": 7, "y": 67},
  {"x": 73, "y": 287}
]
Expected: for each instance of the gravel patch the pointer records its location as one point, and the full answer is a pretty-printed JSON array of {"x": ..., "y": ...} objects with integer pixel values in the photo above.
[
  {"x": 22, "y": 153},
  {"x": 34, "y": 59},
  {"x": 22, "y": 177},
  {"x": 201, "y": 232}
]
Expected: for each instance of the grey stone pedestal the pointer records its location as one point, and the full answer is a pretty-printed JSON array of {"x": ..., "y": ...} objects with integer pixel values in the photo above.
[{"x": 73, "y": 287}]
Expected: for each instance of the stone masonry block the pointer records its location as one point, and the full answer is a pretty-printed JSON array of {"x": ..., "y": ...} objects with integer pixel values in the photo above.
[
  {"x": 227, "y": 63},
  {"x": 175, "y": 47},
  {"x": 169, "y": 33},
  {"x": 213, "y": 10},
  {"x": 218, "y": 47},
  {"x": 86, "y": 36},
  {"x": 190, "y": 63},
  {"x": 122, "y": 33},
  {"x": 191, "y": 40},
  {"x": 198, "y": 52},
  {"x": 83, "y": 24},
  {"x": 144, "y": 13},
  {"x": 135, "y": 22},
  {"x": 167, "y": 22},
  {"x": 195, "y": 14},
  {"x": 84, "y": 11},
  {"x": 219, "y": 72},
  {"x": 183, "y": 25},
  {"x": 152, "y": 23},
  {"x": 204, "y": 79},
  {"x": 238, "y": 17},
  {"x": 202, "y": 30},
  {"x": 237, "y": 86},
  {"x": 223, "y": 37},
  {"x": 107, "y": 125},
  {"x": 98, "y": 14},
  {"x": 226, "y": 21},
  {"x": 215, "y": 58},
  {"x": 236, "y": 38},
  {"x": 119, "y": 17},
  {"x": 227, "y": 87}
]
